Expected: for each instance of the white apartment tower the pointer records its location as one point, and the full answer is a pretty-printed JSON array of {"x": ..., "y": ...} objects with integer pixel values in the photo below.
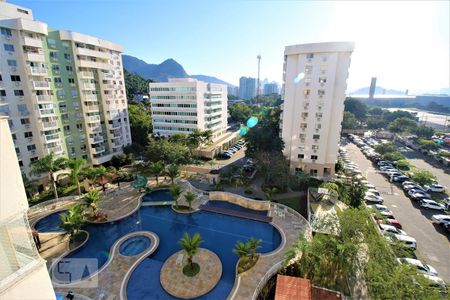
[
  {"x": 184, "y": 104},
  {"x": 63, "y": 92},
  {"x": 314, "y": 84},
  {"x": 23, "y": 273}
]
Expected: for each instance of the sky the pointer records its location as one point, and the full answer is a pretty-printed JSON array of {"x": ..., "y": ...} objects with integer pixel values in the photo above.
[{"x": 406, "y": 45}]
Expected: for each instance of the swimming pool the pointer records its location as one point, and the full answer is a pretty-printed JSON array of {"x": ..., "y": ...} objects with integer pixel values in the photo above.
[
  {"x": 232, "y": 206},
  {"x": 219, "y": 232},
  {"x": 50, "y": 223},
  {"x": 158, "y": 195},
  {"x": 134, "y": 245}
]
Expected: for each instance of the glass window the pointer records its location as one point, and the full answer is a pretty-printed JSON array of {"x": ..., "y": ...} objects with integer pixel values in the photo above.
[
  {"x": 18, "y": 92},
  {"x": 12, "y": 63},
  {"x": 2, "y": 93},
  {"x": 6, "y": 31},
  {"x": 8, "y": 47}
]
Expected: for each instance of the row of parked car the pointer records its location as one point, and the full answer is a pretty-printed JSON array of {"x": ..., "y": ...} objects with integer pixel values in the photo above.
[
  {"x": 227, "y": 154},
  {"x": 390, "y": 227}
]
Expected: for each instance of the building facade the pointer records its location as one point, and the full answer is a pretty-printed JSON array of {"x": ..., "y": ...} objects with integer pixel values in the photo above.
[
  {"x": 23, "y": 274},
  {"x": 271, "y": 88},
  {"x": 247, "y": 88},
  {"x": 314, "y": 84},
  {"x": 185, "y": 104},
  {"x": 64, "y": 92}
]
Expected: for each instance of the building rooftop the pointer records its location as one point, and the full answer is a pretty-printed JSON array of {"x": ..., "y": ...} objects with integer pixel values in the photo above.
[{"x": 320, "y": 47}]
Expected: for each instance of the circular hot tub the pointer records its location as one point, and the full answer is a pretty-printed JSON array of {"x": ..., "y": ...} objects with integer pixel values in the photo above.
[{"x": 134, "y": 245}]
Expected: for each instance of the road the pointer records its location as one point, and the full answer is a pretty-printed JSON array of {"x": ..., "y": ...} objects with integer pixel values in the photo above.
[
  {"x": 419, "y": 161},
  {"x": 433, "y": 245},
  {"x": 427, "y": 118}
]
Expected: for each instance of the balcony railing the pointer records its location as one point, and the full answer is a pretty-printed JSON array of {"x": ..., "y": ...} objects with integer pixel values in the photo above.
[
  {"x": 55, "y": 150},
  {"x": 37, "y": 71},
  {"x": 32, "y": 42},
  {"x": 90, "y": 97},
  {"x": 86, "y": 74},
  {"x": 98, "y": 149},
  {"x": 97, "y": 139},
  {"x": 93, "y": 118},
  {"x": 88, "y": 86},
  {"x": 51, "y": 137},
  {"x": 41, "y": 85},
  {"x": 44, "y": 98},
  {"x": 48, "y": 125},
  {"x": 92, "y": 108},
  {"x": 46, "y": 112}
]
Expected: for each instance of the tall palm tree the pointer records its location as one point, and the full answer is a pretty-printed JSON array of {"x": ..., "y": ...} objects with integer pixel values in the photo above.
[
  {"x": 49, "y": 164},
  {"x": 241, "y": 249},
  {"x": 92, "y": 198},
  {"x": 194, "y": 139},
  {"x": 175, "y": 192},
  {"x": 189, "y": 197},
  {"x": 206, "y": 137},
  {"x": 190, "y": 245},
  {"x": 254, "y": 245},
  {"x": 30, "y": 186},
  {"x": 76, "y": 167},
  {"x": 72, "y": 221},
  {"x": 156, "y": 168},
  {"x": 268, "y": 193},
  {"x": 172, "y": 171}
]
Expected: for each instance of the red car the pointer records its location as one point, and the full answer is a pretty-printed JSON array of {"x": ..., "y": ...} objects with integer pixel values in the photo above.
[{"x": 392, "y": 222}]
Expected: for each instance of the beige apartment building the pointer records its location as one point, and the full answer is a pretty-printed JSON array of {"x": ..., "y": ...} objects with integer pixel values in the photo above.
[
  {"x": 64, "y": 92},
  {"x": 182, "y": 105},
  {"x": 23, "y": 273},
  {"x": 314, "y": 84}
]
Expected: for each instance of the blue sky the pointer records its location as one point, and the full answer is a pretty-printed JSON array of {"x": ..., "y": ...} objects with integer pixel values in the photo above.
[{"x": 404, "y": 44}]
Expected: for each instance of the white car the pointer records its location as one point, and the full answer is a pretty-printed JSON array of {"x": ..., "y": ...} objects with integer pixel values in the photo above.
[
  {"x": 431, "y": 204},
  {"x": 373, "y": 198},
  {"x": 374, "y": 192},
  {"x": 440, "y": 219},
  {"x": 382, "y": 209},
  {"x": 437, "y": 281},
  {"x": 406, "y": 240},
  {"x": 392, "y": 229},
  {"x": 436, "y": 188},
  {"x": 421, "y": 267}
]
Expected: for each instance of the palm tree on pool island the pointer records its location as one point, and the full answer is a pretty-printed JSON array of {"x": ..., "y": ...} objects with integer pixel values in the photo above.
[{"x": 190, "y": 246}]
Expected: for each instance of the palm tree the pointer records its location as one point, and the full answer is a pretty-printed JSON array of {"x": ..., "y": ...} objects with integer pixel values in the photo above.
[
  {"x": 268, "y": 193},
  {"x": 241, "y": 249},
  {"x": 30, "y": 186},
  {"x": 72, "y": 221},
  {"x": 175, "y": 192},
  {"x": 172, "y": 171},
  {"x": 254, "y": 245},
  {"x": 156, "y": 168},
  {"x": 101, "y": 176},
  {"x": 76, "y": 169},
  {"x": 49, "y": 164},
  {"x": 194, "y": 139},
  {"x": 189, "y": 197},
  {"x": 206, "y": 137},
  {"x": 190, "y": 245},
  {"x": 92, "y": 198}
]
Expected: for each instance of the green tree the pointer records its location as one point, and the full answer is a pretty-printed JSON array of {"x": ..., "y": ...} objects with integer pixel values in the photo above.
[
  {"x": 386, "y": 148},
  {"x": 274, "y": 167},
  {"x": 140, "y": 125},
  {"x": 423, "y": 177},
  {"x": 121, "y": 160},
  {"x": 172, "y": 171},
  {"x": 403, "y": 164},
  {"x": 393, "y": 156},
  {"x": 332, "y": 187},
  {"x": 156, "y": 169},
  {"x": 356, "y": 194},
  {"x": 135, "y": 85},
  {"x": 49, "y": 164},
  {"x": 429, "y": 145},
  {"x": 167, "y": 152},
  {"x": 356, "y": 107},
  {"x": 241, "y": 112},
  {"x": 349, "y": 121},
  {"x": 242, "y": 249},
  {"x": 255, "y": 244},
  {"x": 424, "y": 132},
  {"x": 391, "y": 116},
  {"x": 30, "y": 186},
  {"x": 175, "y": 192},
  {"x": 76, "y": 167},
  {"x": 92, "y": 198},
  {"x": 189, "y": 197},
  {"x": 269, "y": 192},
  {"x": 190, "y": 246},
  {"x": 73, "y": 220},
  {"x": 403, "y": 124},
  {"x": 376, "y": 124},
  {"x": 375, "y": 111}
]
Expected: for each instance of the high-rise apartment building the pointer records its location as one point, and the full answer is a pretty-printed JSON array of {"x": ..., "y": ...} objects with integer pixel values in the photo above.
[
  {"x": 271, "y": 88},
  {"x": 23, "y": 274},
  {"x": 64, "y": 92},
  {"x": 247, "y": 88},
  {"x": 184, "y": 104},
  {"x": 314, "y": 79}
]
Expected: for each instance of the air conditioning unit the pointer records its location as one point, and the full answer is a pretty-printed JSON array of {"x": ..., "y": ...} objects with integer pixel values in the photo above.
[
  {"x": 33, "y": 152},
  {"x": 7, "y": 37},
  {"x": 27, "y": 126},
  {"x": 13, "y": 69},
  {"x": 30, "y": 139},
  {"x": 17, "y": 83}
]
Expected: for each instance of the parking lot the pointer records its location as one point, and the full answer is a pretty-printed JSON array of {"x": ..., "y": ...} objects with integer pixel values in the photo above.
[{"x": 433, "y": 246}]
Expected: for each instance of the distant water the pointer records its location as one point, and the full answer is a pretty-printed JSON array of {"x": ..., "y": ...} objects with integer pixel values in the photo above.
[{"x": 427, "y": 118}]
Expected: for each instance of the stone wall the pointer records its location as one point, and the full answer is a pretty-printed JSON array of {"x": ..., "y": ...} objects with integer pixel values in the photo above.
[{"x": 239, "y": 200}]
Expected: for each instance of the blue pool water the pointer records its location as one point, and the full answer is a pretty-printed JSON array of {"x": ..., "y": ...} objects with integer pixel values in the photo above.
[
  {"x": 219, "y": 232},
  {"x": 228, "y": 205},
  {"x": 134, "y": 245},
  {"x": 50, "y": 223},
  {"x": 158, "y": 195}
]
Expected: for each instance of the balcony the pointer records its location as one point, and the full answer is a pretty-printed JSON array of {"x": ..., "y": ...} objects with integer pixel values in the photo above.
[
  {"x": 95, "y": 65},
  {"x": 37, "y": 71},
  {"x": 96, "y": 139},
  {"x": 91, "y": 52},
  {"x": 90, "y": 98},
  {"x": 40, "y": 85},
  {"x": 51, "y": 138},
  {"x": 109, "y": 86},
  {"x": 55, "y": 150},
  {"x": 93, "y": 119},
  {"x": 86, "y": 75},
  {"x": 88, "y": 86},
  {"x": 91, "y": 108},
  {"x": 50, "y": 125},
  {"x": 44, "y": 98},
  {"x": 34, "y": 56},
  {"x": 94, "y": 129},
  {"x": 117, "y": 144},
  {"x": 114, "y": 125},
  {"x": 110, "y": 97},
  {"x": 98, "y": 150},
  {"x": 46, "y": 113},
  {"x": 32, "y": 42},
  {"x": 107, "y": 76}
]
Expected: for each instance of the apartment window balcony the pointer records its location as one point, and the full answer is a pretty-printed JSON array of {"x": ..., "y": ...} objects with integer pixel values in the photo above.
[
  {"x": 90, "y": 98},
  {"x": 91, "y": 108},
  {"x": 93, "y": 119},
  {"x": 92, "y": 52},
  {"x": 37, "y": 71},
  {"x": 97, "y": 140},
  {"x": 50, "y": 125},
  {"x": 55, "y": 150},
  {"x": 35, "y": 56},
  {"x": 46, "y": 112},
  {"x": 88, "y": 86},
  {"x": 51, "y": 137},
  {"x": 114, "y": 125},
  {"x": 86, "y": 75},
  {"x": 98, "y": 150},
  {"x": 44, "y": 98},
  {"x": 109, "y": 86},
  {"x": 40, "y": 85}
]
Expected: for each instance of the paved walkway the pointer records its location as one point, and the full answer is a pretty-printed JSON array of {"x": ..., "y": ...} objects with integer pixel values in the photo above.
[{"x": 179, "y": 285}]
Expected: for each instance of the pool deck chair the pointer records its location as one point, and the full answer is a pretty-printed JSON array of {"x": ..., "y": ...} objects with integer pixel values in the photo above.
[{"x": 179, "y": 261}]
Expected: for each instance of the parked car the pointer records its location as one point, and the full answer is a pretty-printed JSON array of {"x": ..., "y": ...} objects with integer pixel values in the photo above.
[
  {"x": 373, "y": 198},
  {"x": 374, "y": 192},
  {"x": 406, "y": 240},
  {"x": 431, "y": 204},
  {"x": 383, "y": 210},
  {"x": 408, "y": 187},
  {"x": 421, "y": 267},
  {"x": 440, "y": 219},
  {"x": 400, "y": 178},
  {"x": 437, "y": 282},
  {"x": 435, "y": 188},
  {"x": 415, "y": 191},
  {"x": 392, "y": 222},
  {"x": 391, "y": 229}
]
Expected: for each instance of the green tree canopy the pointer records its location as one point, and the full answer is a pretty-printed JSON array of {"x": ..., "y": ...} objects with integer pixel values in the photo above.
[
  {"x": 356, "y": 107},
  {"x": 349, "y": 121},
  {"x": 49, "y": 164},
  {"x": 424, "y": 132},
  {"x": 403, "y": 125},
  {"x": 140, "y": 125},
  {"x": 385, "y": 148},
  {"x": 423, "y": 177},
  {"x": 429, "y": 145},
  {"x": 241, "y": 112}
]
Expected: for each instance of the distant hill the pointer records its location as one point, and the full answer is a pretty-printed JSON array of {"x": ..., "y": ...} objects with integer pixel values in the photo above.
[
  {"x": 378, "y": 91},
  {"x": 167, "y": 69}
]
